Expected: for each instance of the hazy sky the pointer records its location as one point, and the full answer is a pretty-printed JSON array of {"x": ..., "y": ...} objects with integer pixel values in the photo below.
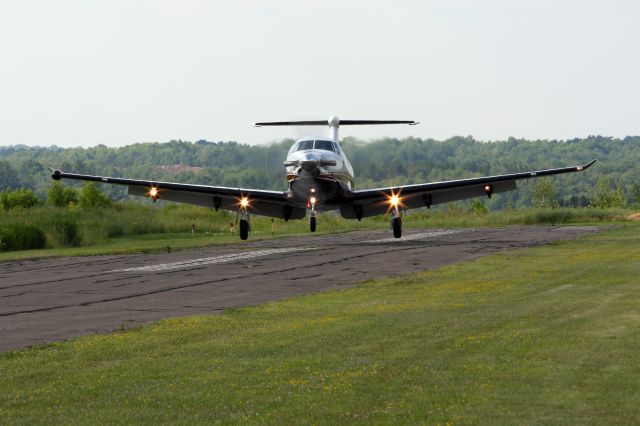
[{"x": 82, "y": 73}]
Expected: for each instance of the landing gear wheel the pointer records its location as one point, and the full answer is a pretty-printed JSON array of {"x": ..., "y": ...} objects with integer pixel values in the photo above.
[
  {"x": 312, "y": 223},
  {"x": 396, "y": 224},
  {"x": 244, "y": 229}
]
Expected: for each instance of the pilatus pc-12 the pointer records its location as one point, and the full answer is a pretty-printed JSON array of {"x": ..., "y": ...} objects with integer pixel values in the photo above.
[{"x": 321, "y": 178}]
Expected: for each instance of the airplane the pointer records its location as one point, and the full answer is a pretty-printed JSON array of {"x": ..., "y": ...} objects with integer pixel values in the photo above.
[{"x": 320, "y": 178}]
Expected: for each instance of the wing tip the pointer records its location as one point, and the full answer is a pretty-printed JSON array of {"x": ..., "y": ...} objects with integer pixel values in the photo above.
[{"x": 585, "y": 166}]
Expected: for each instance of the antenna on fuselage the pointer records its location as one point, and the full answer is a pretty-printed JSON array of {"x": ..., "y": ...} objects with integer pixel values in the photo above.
[{"x": 334, "y": 124}]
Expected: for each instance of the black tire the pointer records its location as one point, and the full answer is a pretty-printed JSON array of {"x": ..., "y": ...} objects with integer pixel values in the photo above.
[
  {"x": 396, "y": 224},
  {"x": 244, "y": 229},
  {"x": 312, "y": 224}
]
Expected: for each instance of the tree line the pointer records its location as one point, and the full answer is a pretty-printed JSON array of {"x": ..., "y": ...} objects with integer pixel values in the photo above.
[
  {"x": 59, "y": 195},
  {"x": 614, "y": 180}
]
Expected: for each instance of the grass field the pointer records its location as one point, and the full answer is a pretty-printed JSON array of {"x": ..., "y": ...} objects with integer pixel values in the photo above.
[
  {"x": 135, "y": 228},
  {"x": 548, "y": 335}
]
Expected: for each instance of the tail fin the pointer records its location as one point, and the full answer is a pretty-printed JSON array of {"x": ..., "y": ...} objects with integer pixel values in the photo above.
[{"x": 334, "y": 123}]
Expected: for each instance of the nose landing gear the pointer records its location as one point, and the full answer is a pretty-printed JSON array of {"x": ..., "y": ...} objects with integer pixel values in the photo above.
[
  {"x": 311, "y": 205},
  {"x": 312, "y": 221},
  {"x": 312, "y": 213}
]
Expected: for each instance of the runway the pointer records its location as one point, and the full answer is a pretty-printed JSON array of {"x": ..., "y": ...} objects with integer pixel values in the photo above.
[{"x": 54, "y": 299}]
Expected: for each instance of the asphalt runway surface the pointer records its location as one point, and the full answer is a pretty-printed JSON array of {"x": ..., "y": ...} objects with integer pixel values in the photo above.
[{"x": 54, "y": 299}]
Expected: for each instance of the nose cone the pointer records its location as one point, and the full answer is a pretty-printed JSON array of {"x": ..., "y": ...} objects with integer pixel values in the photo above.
[{"x": 310, "y": 162}]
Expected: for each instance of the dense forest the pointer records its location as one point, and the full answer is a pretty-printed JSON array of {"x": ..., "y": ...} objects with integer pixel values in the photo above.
[{"x": 377, "y": 163}]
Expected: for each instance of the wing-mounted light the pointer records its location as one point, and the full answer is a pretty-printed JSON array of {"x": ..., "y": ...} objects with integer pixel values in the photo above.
[
  {"x": 394, "y": 200},
  {"x": 154, "y": 193},
  {"x": 243, "y": 202},
  {"x": 488, "y": 189}
]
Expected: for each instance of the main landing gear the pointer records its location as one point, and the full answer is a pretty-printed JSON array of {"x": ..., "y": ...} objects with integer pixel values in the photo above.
[
  {"x": 244, "y": 229},
  {"x": 396, "y": 223},
  {"x": 243, "y": 213}
]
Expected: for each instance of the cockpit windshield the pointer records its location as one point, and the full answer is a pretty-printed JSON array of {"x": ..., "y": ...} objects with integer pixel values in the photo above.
[
  {"x": 319, "y": 144},
  {"x": 303, "y": 145},
  {"x": 324, "y": 145}
]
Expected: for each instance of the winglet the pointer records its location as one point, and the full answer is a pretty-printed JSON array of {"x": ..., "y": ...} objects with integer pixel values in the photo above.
[
  {"x": 55, "y": 174},
  {"x": 586, "y": 166}
]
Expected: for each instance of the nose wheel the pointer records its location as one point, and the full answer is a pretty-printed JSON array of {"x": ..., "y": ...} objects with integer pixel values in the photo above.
[{"x": 311, "y": 204}]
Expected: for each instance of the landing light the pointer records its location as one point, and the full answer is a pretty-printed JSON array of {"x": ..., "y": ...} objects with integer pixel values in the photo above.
[
  {"x": 244, "y": 202},
  {"x": 154, "y": 194},
  {"x": 488, "y": 189},
  {"x": 394, "y": 200},
  {"x": 312, "y": 200}
]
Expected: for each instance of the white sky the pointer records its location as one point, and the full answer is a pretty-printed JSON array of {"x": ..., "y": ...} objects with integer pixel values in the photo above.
[{"x": 117, "y": 72}]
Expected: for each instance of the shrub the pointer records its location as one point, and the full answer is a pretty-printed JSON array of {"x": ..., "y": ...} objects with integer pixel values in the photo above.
[
  {"x": 146, "y": 227},
  {"x": 91, "y": 196},
  {"x": 19, "y": 198},
  {"x": 115, "y": 229},
  {"x": 63, "y": 232},
  {"x": 606, "y": 197},
  {"x": 477, "y": 207},
  {"x": 21, "y": 237},
  {"x": 61, "y": 196},
  {"x": 548, "y": 216}
]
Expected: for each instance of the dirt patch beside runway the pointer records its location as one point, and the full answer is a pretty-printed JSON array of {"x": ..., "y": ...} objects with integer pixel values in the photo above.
[{"x": 53, "y": 299}]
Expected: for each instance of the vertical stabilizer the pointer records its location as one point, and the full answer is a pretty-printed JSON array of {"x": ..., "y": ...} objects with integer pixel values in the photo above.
[{"x": 334, "y": 126}]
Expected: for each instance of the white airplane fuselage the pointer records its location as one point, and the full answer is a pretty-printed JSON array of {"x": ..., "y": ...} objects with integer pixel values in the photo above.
[{"x": 318, "y": 172}]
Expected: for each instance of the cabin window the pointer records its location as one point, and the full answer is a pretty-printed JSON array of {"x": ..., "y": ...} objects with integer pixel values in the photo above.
[
  {"x": 303, "y": 145},
  {"x": 324, "y": 145}
]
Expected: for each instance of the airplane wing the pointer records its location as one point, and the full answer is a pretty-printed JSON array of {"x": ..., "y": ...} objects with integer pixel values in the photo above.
[
  {"x": 372, "y": 202},
  {"x": 261, "y": 202}
]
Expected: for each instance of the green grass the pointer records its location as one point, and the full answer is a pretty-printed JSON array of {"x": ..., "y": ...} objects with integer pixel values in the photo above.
[
  {"x": 548, "y": 335},
  {"x": 146, "y": 243},
  {"x": 134, "y": 228}
]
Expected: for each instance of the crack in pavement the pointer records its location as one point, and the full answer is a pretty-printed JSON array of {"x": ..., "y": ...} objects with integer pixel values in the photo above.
[
  {"x": 84, "y": 295},
  {"x": 163, "y": 290}
]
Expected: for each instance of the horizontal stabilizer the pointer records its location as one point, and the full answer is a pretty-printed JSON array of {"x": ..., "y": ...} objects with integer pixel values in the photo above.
[
  {"x": 374, "y": 122},
  {"x": 292, "y": 123},
  {"x": 333, "y": 122}
]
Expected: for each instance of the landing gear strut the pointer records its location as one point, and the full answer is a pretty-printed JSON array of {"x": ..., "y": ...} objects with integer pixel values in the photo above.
[
  {"x": 244, "y": 224},
  {"x": 312, "y": 214},
  {"x": 396, "y": 223},
  {"x": 312, "y": 222}
]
